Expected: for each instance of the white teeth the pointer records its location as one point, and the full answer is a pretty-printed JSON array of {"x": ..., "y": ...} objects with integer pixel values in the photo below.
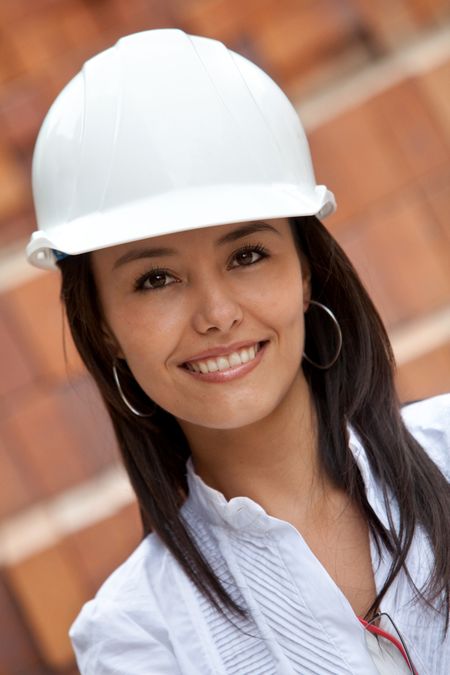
[
  {"x": 212, "y": 366},
  {"x": 225, "y": 362},
  {"x": 244, "y": 355},
  {"x": 234, "y": 359}
]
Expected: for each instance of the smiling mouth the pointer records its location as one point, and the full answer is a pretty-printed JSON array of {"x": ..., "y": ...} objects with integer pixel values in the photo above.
[{"x": 225, "y": 362}]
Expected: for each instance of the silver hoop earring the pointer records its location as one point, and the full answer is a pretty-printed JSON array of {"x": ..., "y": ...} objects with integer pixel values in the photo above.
[
  {"x": 122, "y": 396},
  {"x": 339, "y": 338}
]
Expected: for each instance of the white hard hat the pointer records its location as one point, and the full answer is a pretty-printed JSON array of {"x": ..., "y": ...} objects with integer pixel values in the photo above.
[{"x": 161, "y": 133}]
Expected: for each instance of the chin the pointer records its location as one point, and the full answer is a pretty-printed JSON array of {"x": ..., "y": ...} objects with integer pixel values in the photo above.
[{"x": 230, "y": 419}]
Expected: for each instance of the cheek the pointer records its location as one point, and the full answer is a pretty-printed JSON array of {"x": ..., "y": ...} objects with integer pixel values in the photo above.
[
  {"x": 291, "y": 313},
  {"x": 291, "y": 321},
  {"x": 282, "y": 299},
  {"x": 146, "y": 337}
]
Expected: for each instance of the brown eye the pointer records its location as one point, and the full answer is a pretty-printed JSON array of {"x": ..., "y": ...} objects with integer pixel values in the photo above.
[
  {"x": 249, "y": 255},
  {"x": 154, "y": 280}
]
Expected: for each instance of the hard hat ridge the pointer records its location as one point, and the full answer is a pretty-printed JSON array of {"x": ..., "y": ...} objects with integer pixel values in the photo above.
[{"x": 162, "y": 133}]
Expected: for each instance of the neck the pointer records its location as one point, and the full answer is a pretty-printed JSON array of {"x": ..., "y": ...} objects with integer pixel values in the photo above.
[{"x": 273, "y": 461}]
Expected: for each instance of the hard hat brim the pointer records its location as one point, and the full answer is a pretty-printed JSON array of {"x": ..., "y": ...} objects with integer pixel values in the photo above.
[{"x": 183, "y": 210}]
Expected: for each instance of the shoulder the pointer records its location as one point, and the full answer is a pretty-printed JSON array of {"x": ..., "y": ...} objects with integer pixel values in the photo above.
[
  {"x": 429, "y": 422},
  {"x": 122, "y": 630}
]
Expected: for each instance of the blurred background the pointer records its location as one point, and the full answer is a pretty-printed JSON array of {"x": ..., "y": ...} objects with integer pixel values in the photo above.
[{"x": 371, "y": 81}]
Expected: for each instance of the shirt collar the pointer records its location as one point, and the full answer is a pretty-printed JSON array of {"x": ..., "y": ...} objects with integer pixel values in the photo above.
[{"x": 242, "y": 512}]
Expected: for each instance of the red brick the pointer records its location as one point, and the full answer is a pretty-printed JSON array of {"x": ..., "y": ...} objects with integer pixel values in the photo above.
[
  {"x": 427, "y": 375},
  {"x": 434, "y": 88},
  {"x": 14, "y": 187},
  {"x": 11, "y": 65},
  {"x": 389, "y": 22},
  {"x": 18, "y": 226},
  {"x": 40, "y": 434},
  {"x": 426, "y": 12},
  {"x": 142, "y": 15},
  {"x": 436, "y": 188},
  {"x": 17, "y": 652},
  {"x": 37, "y": 314},
  {"x": 412, "y": 128},
  {"x": 354, "y": 156},
  {"x": 38, "y": 40},
  {"x": 74, "y": 19},
  {"x": 68, "y": 66},
  {"x": 13, "y": 11},
  {"x": 402, "y": 256},
  {"x": 98, "y": 549},
  {"x": 376, "y": 149},
  {"x": 225, "y": 20},
  {"x": 17, "y": 490},
  {"x": 22, "y": 111},
  {"x": 128, "y": 521},
  {"x": 89, "y": 423},
  {"x": 324, "y": 27},
  {"x": 60, "y": 437},
  {"x": 17, "y": 371},
  {"x": 50, "y": 592}
]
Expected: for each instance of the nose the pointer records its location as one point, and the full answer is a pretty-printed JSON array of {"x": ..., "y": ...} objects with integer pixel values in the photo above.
[{"x": 216, "y": 308}]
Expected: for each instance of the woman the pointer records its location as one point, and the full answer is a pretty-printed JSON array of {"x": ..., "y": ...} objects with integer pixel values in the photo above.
[{"x": 294, "y": 519}]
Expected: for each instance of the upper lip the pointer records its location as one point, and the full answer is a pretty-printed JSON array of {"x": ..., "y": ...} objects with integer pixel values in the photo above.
[{"x": 222, "y": 350}]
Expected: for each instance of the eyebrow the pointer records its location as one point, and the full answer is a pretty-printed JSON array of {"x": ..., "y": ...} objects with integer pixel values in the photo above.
[{"x": 234, "y": 235}]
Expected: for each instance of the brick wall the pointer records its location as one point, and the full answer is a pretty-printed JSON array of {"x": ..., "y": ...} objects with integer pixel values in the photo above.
[{"x": 371, "y": 82}]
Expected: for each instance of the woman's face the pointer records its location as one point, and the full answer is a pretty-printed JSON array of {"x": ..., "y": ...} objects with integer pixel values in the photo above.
[{"x": 210, "y": 321}]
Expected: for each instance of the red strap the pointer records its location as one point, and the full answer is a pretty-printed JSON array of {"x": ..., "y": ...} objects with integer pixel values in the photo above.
[{"x": 382, "y": 633}]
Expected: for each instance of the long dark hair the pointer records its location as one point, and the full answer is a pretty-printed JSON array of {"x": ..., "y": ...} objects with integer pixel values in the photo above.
[{"x": 357, "y": 390}]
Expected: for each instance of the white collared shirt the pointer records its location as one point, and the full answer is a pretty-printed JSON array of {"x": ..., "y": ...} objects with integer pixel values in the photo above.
[{"x": 149, "y": 618}]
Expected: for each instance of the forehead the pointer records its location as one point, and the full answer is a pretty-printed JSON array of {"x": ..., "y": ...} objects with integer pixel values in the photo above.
[{"x": 178, "y": 243}]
